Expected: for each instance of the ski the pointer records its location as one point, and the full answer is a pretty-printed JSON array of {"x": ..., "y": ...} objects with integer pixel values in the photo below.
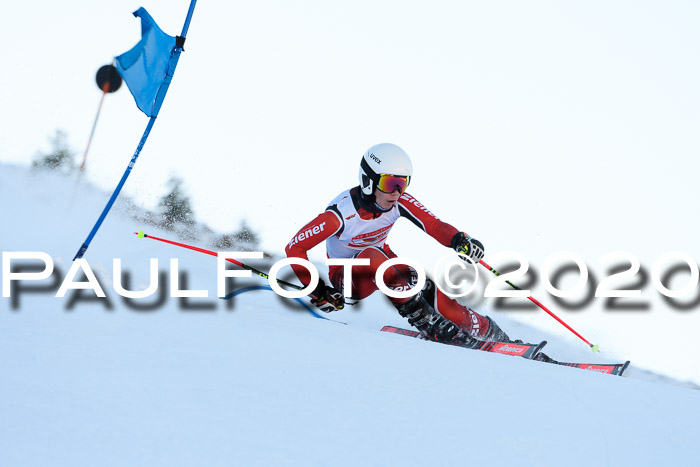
[
  {"x": 527, "y": 351},
  {"x": 615, "y": 369}
]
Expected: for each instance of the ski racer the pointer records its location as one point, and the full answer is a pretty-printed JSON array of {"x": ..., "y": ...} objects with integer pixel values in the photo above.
[{"x": 356, "y": 224}]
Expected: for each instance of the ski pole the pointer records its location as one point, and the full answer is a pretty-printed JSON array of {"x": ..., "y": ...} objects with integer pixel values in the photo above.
[
  {"x": 593, "y": 347},
  {"x": 141, "y": 234}
]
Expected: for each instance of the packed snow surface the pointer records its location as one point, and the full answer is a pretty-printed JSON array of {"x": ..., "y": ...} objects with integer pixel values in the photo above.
[{"x": 262, "y": 381}]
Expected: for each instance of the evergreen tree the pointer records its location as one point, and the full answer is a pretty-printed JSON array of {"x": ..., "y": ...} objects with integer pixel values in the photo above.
[
  {"x": 246, "y": 235},
  {"x": 60, "y": 157},
  {"x": 175, "y": 206},
  {"x": 244, "y": 239}
]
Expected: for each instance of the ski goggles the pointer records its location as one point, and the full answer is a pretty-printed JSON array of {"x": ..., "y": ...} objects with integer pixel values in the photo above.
[{"x": 389, "y": 183}]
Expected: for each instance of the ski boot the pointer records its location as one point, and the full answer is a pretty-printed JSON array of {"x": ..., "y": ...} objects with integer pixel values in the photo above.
[
  {"x": 495, "y": 333},
  {"x": 423, "y": 317}
]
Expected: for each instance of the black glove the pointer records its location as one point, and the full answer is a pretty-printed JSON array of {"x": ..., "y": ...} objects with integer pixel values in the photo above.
[
  {"x": 468, "y": 246},
  {"x": 327, "y": 298}
]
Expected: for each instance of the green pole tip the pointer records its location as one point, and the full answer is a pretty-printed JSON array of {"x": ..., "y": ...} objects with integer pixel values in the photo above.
[
  {"x": 141, "y": 234},
  {"x": 595, "y": 348}
]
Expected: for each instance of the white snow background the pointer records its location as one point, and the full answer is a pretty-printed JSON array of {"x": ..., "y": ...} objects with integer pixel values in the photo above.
[{"x": 266, "y": 383}]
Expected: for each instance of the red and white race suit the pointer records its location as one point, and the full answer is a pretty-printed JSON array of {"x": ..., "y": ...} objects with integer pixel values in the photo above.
[{"x": 351, "y": 231}]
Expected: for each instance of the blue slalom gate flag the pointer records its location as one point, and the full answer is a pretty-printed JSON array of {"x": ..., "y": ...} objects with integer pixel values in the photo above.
[
  {"x": 147, "y": 69},
  {"x": 149, "y": 66}
]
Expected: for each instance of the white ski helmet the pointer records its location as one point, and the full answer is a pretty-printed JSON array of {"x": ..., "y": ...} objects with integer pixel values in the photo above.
[{"x": 383, "y": 159}]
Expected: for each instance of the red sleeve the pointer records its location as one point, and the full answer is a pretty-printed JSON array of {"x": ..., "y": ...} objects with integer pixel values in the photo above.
[
  {"x": 414, "y": 211},
  {"x": 318, "y": 230}
]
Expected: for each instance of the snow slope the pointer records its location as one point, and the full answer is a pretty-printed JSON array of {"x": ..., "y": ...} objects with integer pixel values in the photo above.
[{"x": 264, "y": 382}]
